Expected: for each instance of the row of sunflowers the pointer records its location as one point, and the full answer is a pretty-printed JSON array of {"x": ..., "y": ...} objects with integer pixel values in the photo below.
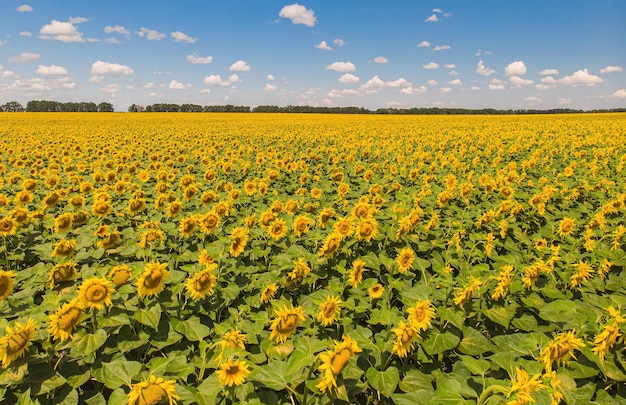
[{"x": 314, "y": 259}]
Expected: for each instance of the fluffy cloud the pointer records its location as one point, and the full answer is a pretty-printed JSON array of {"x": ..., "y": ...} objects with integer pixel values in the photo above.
[
  {"x": 269, "y": 87},
  {"x": 342, "y": 67},
  {"x": 26, "y": 33},
  {"x": 533, "y": 100},
  {"x": 234, "y": 79},
  {"x": 5, "y": 73},
  {"x": 450, "y": 66},
  {"x": 397, "y": 83},
  {"x": 441, "y": 47},
  {"x": 342, "y": 93},
  {"x": 52, "y": 70},
  {"x": 581, "y": 77},
  {"x": 182, "y": 37},
  {"x": 445, "y": 89},
  {"x": 63, "y": 31},
  {"x": 496, "y": 84},
  {"x": 432, "y": 18},
  {"x": 348, "y": 78},
  {"x": 176, "y": 85},
  {"x": 298, "y": 14},
  {"x": 99, "y": 69},
  {"x": 518, "y": 81},
  {"x": 24, "y": 57},
  {"x": 373, "y": 85},
  {"x": 195, "y": 59},
  {"x": 339, "y": 42},
  {"x": 151, "y": 35},
  {"x": 410, "y": 90},
  {"x": 517, "y": 68},
  {"x": 431, "y": 65},
  {"x": 546, "y": 72},
  {"x": 565, "y": 101},
  {"x": 323, "y": 46},
  {"x": 270, "y": 77},
  {"x": 621, "y": 93},
  {"x": 110, "y": 89},
  {"x": 542, "y": 87},
  {"x": 455, "y": 82},
  {"x": 239, "y": 66},
  {"x": 432, "y": 82},
  {"x": 24, "y": 8},
  {"x": 116, "y": 29},
  {"x": 423, "y": 44},
  {"x": 381, "y": 59},
  {"x": 112, "y": 41},
  {"x": 611, "y": 69},
  {"x": 216, "y": 80}
]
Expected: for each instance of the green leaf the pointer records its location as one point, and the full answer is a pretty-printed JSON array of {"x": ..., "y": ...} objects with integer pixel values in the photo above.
[
  {"x": 474, "y": 343},
  {"x": 526, "y": 322},
  {"x": 209, "y": 390},
  {"x": 415, "y": 380},
  {"x": 118, "y": 397},
  {"x": 440, "y": 342},
  {"x": 476, "y": 366},
  {"x": 119, "y": 373},
  {"x": 297, "y": 364},
  {"x": 88, "y": 343},
  {"x": 192, "y": 328},
  {"x": 273, "y": 375},
  {"x": 149, "y": 317},
  {"x": 501, "y": 315},
  {"x": 564, "y": 311},
  {"x": 383, "y": 381},
  {"x": 419, "y": 397}
]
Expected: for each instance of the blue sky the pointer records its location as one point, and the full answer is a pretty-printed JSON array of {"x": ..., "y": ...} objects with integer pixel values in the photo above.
[{"x": 473, "y": 54}]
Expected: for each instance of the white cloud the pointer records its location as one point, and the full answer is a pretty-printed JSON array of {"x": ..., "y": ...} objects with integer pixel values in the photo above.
[
  {"x": 116, "y": 29},
  {"x": 373, "y": 85},
  {"x": 110, "y": 89},
  {"x": 431, "y": 65},
  {"x": 205, "y": 91},
  {"x": 518, "y": 81},
  {"x": 182, "y": 37},
  {"x": 432, "y": 18},
  {"x": 546, "y": 72},
  {"x": 92, "y": 39},
  {"x": 195, "y": 59},
  {"x": 77, "y": 20},
  {"x": 398, "y": 82},
  {"x": 441, "y": 47},
  {"x": 24, "y": 8},
  {"x": 445, "y": 89},
  {"x": 348, "y": 78},
  {"x": 100, "y": 68},
  {"x": 565, "y": 101},
  {"x": 496, "y": 84},
  {"x": 342, "y": 93},
  {"x": 176, "y": 85},
  {"x": 474, "y": 88},
  {"x": 432, "y": 82},
  {"x": 611, "y": 69},
  {"x": 482, "y": 70},
  {"x": 269, "y": 87},
  {"x": 24, "y": 57},
  {"x": 423, "y": 44},
  {"x": 26, "y": 33},
  {"x": 5, "y": 73},
  {"x": 517, "y": 68},
  {"x": 450, "y": 66},
  {"x": 581, "y": 77},
  {"x": 298, "y": 14},
  {"x": 533, "y": 100},
  {"x": 234, "y": 79},
  {"x": 215, "y": 80},
  {"x": 341, "y": 67},
  {"x": 381, "y": 59},
  {"x": 436, "y": 10},
  {"x": 151, "y": 35},
  {"x": 453, "y": 73},
  {"x": 543, "y": 87},
  {"x": 63, "y": 31},
  {"x": 339, "y": 42},
  {"x": 455, "y": 82},
  {"x": 52, "y": 70},
  {"x": 149, "y": 85},
  {"x": 621, "y": 93},
  {"x": 410, "y": 90},
  {"x": 548, "y": 79},
  {"x": 112, "y": 41},
  {"x": 269, "y": 77},
  {"x": 239, "y": 66},
  {"x": 323, "y": 46}
]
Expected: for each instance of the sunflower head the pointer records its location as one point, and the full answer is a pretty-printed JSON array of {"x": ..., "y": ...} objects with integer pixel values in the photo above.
[
  {"x": 233, "y": 372},
  {"x": 64, "y": 248},
  {"x": 96, "y": 293},
  {"x": 202, "y": 283},
  {"x": 151, "y": 281},
  {"x": 6, "y": 283},
  {"x": 153, "y": 391},
  {"x": 8, "y": 226},
  {"x": 16, "y": 341},
  {"x": 329, "y": 310},
  {"x": 61, "y": 272},
  {"x": 65, "y": 319},
  {"x": 120, "y": 274},
  {"x": 286, "y": 322}
]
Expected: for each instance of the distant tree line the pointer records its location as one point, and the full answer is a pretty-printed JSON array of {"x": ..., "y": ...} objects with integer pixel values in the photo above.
[
  {"x": 167, "y": 107},
  {"x": 56, "y": 106}
]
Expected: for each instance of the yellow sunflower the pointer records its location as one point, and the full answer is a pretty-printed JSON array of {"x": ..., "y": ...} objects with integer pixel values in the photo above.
[
  {"x": 111, "y": 240},
  {"x": 560, "y": 350},
  {"x": 64, "y": 248},
  {"x": 331, "y": 245},
  {"x": 239, "y": 239},
  {"x": 356, "y": 274},
  {"x": 405, "y": 334},
  {"x": 233, "y": 372},
  {"x": 269, "y": 293},
  {"x": 421, "y": 315},
  {"x": 174, "y": 208},
  {"x": 405, "y": 259},
  {"x": 209, "y": 221},
  {"x": 334, "y": 361},
  {"x": 301, "y": 225},
  {"x": 367, "y": 229},
  {"x": 361, "y": 210},
  {"x": 329, "y": 310},
  {"x": 324, "y": 216},
  {"x": 95, "y": 292},
  {"x": 6, "y": 283},
  {"x": 151, "y": 281},
  {"x": 16, "y": 341},
  {"x": 151, "y": 237},
  {"x": 202, "y": 283},
  {"x": 153, "y": 391},
  {"x": 277, "y": 229},
  {"x": 64, "y": 319},
  {"x": 376, "y": 291},
  {"x": 101, "y": 208},
  {"x": 566, "y": 227},
  {"x": 187, "y": 226},
  {"x": 8, "y": 226},
  {"x": 286, "y": 322},
  {"x": 120, "y": 274},
  {"x": 61, "y": 272},
  {"x": 233, "y": 339},
  {"x": 63, "y": 222},
  {"x": 344, "y": 227},
  {"x": 136, "y": 205},
  {"x": 19, "y": 215}
]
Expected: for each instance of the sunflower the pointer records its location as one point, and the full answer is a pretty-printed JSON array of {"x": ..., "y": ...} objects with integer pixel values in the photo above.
[
  {"x": 209, "y": 221},
  {"x": 136, "y": 205},
  {"x": 334, "y": 361},
  {"x": 174, "y": 208},
  {"x": 361, "y": 210},
  {"x": 523, "y": 386},
  {"x": 291, "y": 207},
  {"x": 325, "y": 216},
  {"x": 64, "y": 319},
  {"x": 316, "y": 193},
  {"x": 344, "y": 227},
  {"x": 8, "y": 226},
  {"x": 286, "y": 322},
  {"x": 120, "y": 274},
  {"x": 51, "y": 199},
  {"x": 64, "y": 248},
  {"x": 239, "y": 239},
  {"x": 187, "y": 226},
  {"x": 233, "y": 339},
  {"x": 606, "y": 339},
  {"x": 61, "y": 272},
  {"x": 154, "y": 390},
  {"x": 24, "y": 197},
  {"x": 16, "y": 341},
  {"x": 566, "y": 227},
  {"x": 151, "y": 281},
  {"x": 6, "y": 283},
  {"x": 249, "y": 187},
  {"x": 405, "y": 259},
  {"x": 405, "y": 334},
  {"x": 95, "y": 292},
  {"x": 300, "y": 270},
  {"x": 467, "y": 293},
  {"x": 504, "y": 279},
  {"x": 81, "y": 217},
  {"x": 421, "y": 315},
  {"x": 202, "y": 283},
  {"x": 329, "y": 310},
  {"x": 560, "y": 350},
  {"x": 101, "y": 231},
  {"x": 277, "y": 229},
  {"x": 367, "y": 229},
  {"x": 356, "y": 274},
  {"x": 269, "y": 293},
  {"x": 376, "y": 291},
  {"x": 266, "y": 218},
  {"x": 330, "y": 245},
  {"x": 301, "y": 225},
  {"x": 19, "y": 215},
  {"x": 583, "y": 273},
  {"x": 233, "y": 372},
  {"x": 151, "y": 237},
  {"x": 111, "y": 240},
  {"x": 101, "y": 208}
]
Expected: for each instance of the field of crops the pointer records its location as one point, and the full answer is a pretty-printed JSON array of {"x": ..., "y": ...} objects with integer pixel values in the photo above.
[{"x": 312, "y": 259}]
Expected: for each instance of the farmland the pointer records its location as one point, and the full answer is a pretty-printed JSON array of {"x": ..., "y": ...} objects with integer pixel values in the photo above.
[{"x": 295, "y": 258}]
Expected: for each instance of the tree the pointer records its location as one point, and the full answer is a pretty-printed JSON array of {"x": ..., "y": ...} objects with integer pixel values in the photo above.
[
  {"x": 12, "y": 106},
  {"x": 105, "y": 107}
]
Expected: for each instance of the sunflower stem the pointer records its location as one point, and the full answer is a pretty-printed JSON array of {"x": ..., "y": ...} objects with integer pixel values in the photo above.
[{"x": 489, "y": 391}]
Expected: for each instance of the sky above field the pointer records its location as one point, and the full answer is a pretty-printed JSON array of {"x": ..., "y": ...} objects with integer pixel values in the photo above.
[{"x": 472, "y": 54}]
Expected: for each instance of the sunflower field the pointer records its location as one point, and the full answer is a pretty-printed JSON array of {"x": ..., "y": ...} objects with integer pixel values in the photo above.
[{"x": 312, "y": 259}]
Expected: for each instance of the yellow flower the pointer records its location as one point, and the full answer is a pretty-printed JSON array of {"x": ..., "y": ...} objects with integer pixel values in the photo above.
[
  {"x": 19, "y": 215},
  {"x": 61, "y": 272},
  {"x": 233, "y": 372},
  {"x": 329, "y": 310},
  {"x": 101, "y": 208},
  {"x": 361, "y": 210},
  {"x": 239, "y": 239},
  {"x": 405, "y": 259},
  {"x": 269, "y": 293},
  {"x": 151, "y": 281},
  {"x": 8, "y": 226},
  {"x": 301, "y": 225},
  {"x": 334, "y": 361},
  {"x": 95, "y": 292},
  {"x": 466, "y": 294},
  {"x": 286, "y": 322},
  {"x": 583, "y": 273},
  {"x": 566, "y": 227},
  {"x": 560, "y": 349},
  {"x": 187, "y": 226},
  {"x": 421, "y": 315},
  {"x": 174, "y": 208},
  {"x": 64, "y": 248},
  {"x": 151, "y": 237},
  {"x": 504, "y": 279},
  {"x": 120, "y": 274},
  {"x": 367, "y": 229},
  {"x": 209, "y": 221},
  {"x": 606, "y": 339},
  {"x": 234, "y": 339},
  {"x": 154, "y": 390},
  {"x": 343, "y": 227},
  {"x": 16, "y": 341},
  {"x": 330, "y": 245},
  {"x": 356, "y": 274},
  {"x": 63, "y": 222},
  {"x": 6, "y": 283},
  {"x": 523, "y": 386},
  {"x": 376, "y": 291},
  {"x": 136, "y": 205},
  {"x": 65, "y": 319},
  {"x": 277, "y": 229},
  {"x": 201, "y": 283},
  {"x": 405, "y": 333},
  {"x": 324, "y": 216}
]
